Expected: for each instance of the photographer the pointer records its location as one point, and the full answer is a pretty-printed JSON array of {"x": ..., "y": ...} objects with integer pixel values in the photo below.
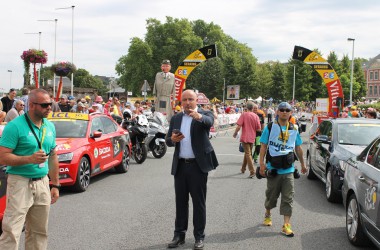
[{"x": 278, "y": 144}]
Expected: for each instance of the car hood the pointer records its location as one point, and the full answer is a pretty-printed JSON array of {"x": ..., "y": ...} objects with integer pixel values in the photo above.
[
  {"x": 66, "y": 145},
  {"x": 354, "y": 149},
  {"x": 347, "y": 151}
]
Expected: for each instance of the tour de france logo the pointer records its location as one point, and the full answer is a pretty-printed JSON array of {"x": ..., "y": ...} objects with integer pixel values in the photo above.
[{"x": 370, "y": 198}]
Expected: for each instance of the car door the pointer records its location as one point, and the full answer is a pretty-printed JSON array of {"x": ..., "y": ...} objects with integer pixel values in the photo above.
[
  {"x": 368, "y": 181},
  {"x": 314, "y": 144},
  {"x": 322, "y": 153},
  {"x": 101, "y": 147},
  {"x": 115, "y": 140}
]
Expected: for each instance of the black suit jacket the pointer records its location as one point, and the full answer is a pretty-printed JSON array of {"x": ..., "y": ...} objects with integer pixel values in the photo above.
[{"x": 200, "y": 143}]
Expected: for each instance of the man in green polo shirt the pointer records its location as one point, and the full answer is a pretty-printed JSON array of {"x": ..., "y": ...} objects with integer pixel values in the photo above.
[{"x": 27, "y": 148}]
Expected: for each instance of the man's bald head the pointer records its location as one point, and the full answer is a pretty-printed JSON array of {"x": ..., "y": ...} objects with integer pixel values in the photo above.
[{"x": 189, "y": 100}]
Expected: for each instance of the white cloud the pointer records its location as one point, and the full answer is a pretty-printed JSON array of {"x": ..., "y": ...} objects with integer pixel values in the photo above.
[{"x": 103, "y": 28}]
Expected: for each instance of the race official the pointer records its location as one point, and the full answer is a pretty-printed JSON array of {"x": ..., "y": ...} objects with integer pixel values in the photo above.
[
  {"x": 193, "y": 158},
  {"x": 282, "y": 140},
  {"x": 27, "y": 149}
]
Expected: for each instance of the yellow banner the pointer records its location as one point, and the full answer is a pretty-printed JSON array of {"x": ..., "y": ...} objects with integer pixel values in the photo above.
[{"x": 68, "y": 115}]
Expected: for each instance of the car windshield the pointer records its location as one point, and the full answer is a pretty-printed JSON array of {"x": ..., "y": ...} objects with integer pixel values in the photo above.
[
  {"x": 70, "y": 128},
  {"x": 357, "y": 134}
]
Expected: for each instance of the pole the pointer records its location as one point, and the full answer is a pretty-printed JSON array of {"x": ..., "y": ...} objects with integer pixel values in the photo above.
[
  {"x": 145, "y": 87},
  {"x": 224, "y": 87},
  {"x": 72, "y": 49},
  {"x": 352, "y": 66},
  {"x": 294, "y": 82},
  {"x": 72, "y": 43},
  {"x": 55, "y": 52},
  {"x": 55, "y": 46}
]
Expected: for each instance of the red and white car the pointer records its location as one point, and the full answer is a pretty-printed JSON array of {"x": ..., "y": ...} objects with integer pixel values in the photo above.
[{"x": 87, "y": 145}]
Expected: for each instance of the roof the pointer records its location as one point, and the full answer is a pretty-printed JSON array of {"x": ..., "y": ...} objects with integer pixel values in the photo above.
[
  {"x": 355, "y": 120},
  {"x": 373, "y": 63}
]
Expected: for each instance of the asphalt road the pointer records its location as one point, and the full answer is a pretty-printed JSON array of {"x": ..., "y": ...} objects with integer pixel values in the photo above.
[{"x": 136, "y": 210}]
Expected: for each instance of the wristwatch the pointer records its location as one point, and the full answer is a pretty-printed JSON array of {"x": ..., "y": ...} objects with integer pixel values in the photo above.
[{"x": 55, "y": 186}]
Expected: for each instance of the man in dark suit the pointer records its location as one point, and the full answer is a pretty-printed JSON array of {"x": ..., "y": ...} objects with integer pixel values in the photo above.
[{"x": 193, "y": 158}]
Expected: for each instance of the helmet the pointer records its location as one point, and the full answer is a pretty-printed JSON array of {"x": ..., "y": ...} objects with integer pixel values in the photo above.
[{"x": 127, "y": 114}]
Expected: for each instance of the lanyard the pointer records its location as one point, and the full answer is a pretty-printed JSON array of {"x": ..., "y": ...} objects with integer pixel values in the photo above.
[
  {"x": 34, "y": 133},
  {"x": 286, "y": 133}
]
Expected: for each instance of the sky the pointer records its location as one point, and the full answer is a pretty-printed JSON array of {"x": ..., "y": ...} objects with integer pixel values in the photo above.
[{"x": 103, "y": 29}]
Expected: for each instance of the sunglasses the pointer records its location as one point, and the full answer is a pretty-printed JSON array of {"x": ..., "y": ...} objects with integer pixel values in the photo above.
[
  {"x": 22, "y": 105},
  {"x": 44, "y": 105},
  {"x": 285, "y": 110}
]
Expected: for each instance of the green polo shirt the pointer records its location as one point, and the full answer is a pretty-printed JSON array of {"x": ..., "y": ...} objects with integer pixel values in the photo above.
[{"x": 18, "y": 137}]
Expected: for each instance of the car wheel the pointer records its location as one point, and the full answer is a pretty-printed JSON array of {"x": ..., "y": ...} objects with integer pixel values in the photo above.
[
  {"x": 310, "y": 173},
  {"x": 159, "y": 150},
  {"x": 354, "y": 225},
  {"x": 124, "y": 164},
  {"x": 331, "y": 194},
  {"x": 83, "y": 176}
]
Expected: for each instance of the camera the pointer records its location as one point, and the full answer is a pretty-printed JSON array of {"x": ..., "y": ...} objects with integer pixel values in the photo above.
[
  {"x": 296, "y": 174},
  {"x": 269, "y": 173}
]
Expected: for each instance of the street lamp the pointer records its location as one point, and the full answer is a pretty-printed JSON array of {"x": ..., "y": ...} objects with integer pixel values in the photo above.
[
  {"x": 10, "y": 79},
  {"x": 72, "y": 43},
  {"x": 352, "y": 66},
  {"x": 55, "y": 46},
  {"x": 39, "y": 38}
]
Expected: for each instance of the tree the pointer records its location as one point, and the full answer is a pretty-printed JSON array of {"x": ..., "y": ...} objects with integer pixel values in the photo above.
[
  {"x": 360, "y": 79},
  {"x": 83, "y": 79},
  {"x": 177, "y": 38},
  {"x": 278, "y": 88}
]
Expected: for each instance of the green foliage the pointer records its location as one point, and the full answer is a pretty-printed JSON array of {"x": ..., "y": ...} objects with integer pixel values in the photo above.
[
  {"x": 175, "y": 40},
  {"x": 83, "y": 79}
]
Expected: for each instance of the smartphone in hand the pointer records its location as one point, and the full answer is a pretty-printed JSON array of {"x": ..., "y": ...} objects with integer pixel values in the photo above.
[{"x": 177, "y": 132}]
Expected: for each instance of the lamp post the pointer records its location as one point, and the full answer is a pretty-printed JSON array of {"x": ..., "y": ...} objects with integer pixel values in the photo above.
[
  {"x": 224, "y": 87},
  {"x": 55, "y": 46},
  {"x": 10, "y": 78},
  {"x": 294, "y": 83},
  {"x": 39, "y": 38},
  {"x": 72, "y": 43},
  {"x": 352, "y": 66}
]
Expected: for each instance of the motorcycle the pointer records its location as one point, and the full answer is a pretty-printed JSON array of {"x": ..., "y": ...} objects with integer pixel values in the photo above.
[
  {"x": 138, "y": 131},
  {"x": 156, "y": 134},
  {"x": 302, "y": 124}
]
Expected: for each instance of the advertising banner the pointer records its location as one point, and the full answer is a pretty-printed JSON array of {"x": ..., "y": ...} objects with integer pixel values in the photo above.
[
  {"x": 188, "y": 65},
  {"x": 322, "y": 105},
  {"x": 233, "y": 92},
  {"x": 328, "y": 74}
]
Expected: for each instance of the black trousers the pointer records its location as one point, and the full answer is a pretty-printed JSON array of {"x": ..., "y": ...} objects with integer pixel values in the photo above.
[{"x": 189, "y": 179}]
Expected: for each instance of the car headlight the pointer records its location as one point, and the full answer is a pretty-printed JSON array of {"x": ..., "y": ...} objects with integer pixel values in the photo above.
[
  {"x": 65, "y": 157},
  {"x": 342, "y": 165}
]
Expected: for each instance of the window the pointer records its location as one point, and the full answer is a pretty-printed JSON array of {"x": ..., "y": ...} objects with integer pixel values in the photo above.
[
  {"x": 96, "y": 125},
  {"x": 109, "y": 126},
  {"x": 375, "y": 90},
  {"x": 370, "y": 90},
  {"x": 376, "y": 75},
  {"x": 371, "y": 75},
  {"x": 371, "y": 157},
  {"x": 325, "y": 128}
]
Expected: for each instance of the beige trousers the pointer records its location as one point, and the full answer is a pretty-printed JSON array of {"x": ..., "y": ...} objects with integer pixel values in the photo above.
[
  {"x": 27, "y": 202},
  {"x": 247, "y": 158}
]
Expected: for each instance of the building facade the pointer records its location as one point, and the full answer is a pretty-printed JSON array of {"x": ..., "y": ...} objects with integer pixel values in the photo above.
[{"x": 372, "y": 76}]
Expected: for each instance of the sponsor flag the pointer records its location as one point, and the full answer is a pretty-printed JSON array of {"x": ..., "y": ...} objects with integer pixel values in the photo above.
[
  {"x": 328, "y": 74},
  {"x": 188, "y": 65}
]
